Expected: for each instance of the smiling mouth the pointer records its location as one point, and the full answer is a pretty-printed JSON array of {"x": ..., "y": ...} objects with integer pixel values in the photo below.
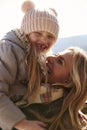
[{"x": 42, "y": 47}]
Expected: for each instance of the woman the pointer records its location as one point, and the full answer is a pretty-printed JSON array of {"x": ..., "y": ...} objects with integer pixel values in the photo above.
[{"x": 68, "y": 71}]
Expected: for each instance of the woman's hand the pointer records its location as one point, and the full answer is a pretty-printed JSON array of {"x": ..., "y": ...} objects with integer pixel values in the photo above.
[{"x": 30, "y": 125}]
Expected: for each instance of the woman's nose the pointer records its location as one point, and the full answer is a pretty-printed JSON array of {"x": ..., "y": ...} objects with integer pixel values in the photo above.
[{"x": 51, "y": 59}]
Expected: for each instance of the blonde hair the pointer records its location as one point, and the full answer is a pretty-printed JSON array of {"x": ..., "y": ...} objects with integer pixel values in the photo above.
[
  {"x": 36, "y": 66},
  {"x": 74, "y": 100},
  {"x": 74, "y": 97}
]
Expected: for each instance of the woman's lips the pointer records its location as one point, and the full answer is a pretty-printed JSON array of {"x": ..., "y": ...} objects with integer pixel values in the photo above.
[{"x": 48, "y": 67}]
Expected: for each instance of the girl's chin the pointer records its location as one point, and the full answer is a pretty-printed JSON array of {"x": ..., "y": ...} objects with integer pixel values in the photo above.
[{"x": 41, "y": 50}]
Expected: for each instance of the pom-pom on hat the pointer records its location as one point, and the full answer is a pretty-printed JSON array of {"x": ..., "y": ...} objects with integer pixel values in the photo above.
[{"x": 39, "y": 19}]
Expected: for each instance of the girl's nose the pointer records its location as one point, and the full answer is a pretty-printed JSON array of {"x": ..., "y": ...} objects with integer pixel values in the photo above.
[{"x": 44, "y": 39}]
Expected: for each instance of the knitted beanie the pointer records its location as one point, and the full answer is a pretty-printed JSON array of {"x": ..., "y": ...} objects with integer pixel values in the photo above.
[{"x": 39, "y": 19}]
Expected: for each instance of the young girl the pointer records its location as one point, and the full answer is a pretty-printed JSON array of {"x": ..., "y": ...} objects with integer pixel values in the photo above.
[
  {"x": 21, "y": 63},
  {"x": 67, "y": 71}
]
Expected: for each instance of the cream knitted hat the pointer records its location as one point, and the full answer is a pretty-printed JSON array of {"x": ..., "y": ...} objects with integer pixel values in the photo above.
[{"x": 39, "y": 20}]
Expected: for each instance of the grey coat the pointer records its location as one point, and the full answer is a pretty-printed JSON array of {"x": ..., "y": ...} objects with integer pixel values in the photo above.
[{"x": 13, "y": 79}]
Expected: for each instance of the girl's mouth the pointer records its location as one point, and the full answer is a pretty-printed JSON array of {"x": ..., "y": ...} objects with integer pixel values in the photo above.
[{"x": 42, "y": 47}]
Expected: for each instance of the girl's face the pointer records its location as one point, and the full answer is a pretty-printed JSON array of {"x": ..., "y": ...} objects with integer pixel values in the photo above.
[
  {"x": 43, "y": 40},
  {"x": 59, "y": 67}
]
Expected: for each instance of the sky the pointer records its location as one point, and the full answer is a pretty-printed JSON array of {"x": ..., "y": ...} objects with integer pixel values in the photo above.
[{"x": 72, "y": 15}]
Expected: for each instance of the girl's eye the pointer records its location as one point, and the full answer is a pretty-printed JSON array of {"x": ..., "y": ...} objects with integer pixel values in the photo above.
[
  {"x": 38, "y": 33},
  {"x": 50, "y": 37}
]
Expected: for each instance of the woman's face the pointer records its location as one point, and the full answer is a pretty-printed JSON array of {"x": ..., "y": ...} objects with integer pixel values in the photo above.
[
  {"x": 42, "y": 39},
  {"x": 59, "y": 67}
]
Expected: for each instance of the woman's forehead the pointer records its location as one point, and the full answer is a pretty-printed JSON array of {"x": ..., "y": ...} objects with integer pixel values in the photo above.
[{"x": 65, "y": 52}]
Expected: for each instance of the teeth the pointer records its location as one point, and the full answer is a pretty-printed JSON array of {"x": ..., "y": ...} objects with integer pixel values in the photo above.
[{"x": 42, "y": 46}]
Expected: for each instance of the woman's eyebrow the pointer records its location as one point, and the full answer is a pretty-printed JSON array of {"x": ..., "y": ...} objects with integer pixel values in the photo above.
[{"x": 58, "y": 54}]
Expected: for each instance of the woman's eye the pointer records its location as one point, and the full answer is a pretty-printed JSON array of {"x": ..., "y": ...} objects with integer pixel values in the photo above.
[{"x": 59, "y": 61}]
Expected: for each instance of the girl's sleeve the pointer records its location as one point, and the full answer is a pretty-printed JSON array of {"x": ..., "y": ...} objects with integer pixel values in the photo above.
[{"x": 10, "y": 114}]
